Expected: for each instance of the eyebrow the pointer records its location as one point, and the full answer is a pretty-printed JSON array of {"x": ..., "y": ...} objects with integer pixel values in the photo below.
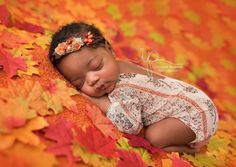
[{"x": 86, "y": 66}]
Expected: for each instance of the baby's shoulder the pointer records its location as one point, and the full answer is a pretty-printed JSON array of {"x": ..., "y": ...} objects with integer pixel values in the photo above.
[{"x": 128, "y": 67}]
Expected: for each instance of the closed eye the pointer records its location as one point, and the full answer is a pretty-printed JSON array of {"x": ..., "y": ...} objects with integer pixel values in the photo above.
[{"x": 100, "y": 65}]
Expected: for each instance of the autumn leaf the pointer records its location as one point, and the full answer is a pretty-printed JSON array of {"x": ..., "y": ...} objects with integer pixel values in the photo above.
[
  {"x": 24, "y": 134},
  {"x": 130, "y": 159},
  {"x": 13, "y": 114},
  {"x": 101, "y": 122},
  {"x": 91, "y": 159},
  {"x": 123, "y": 144},
  {"x": 31, "y": 92},
  {"x": 31, "y": 67},
  {"x": 10, "y": 39},
  {"x": 10, "y": 64},
  {"x": 177, "y": 161},
  {"x": 202, "y": 160},
  {"x": 137, "y": 141},
  {"x": 30, "y": 155},
  {"x": 57, "y": 95},
  {"x": 61, "y": 132},
  {"x": 29, "y": 27},
  {"x": 12, "y": 160},
  {"x": 96, "y": 142},
  {"x": 5, "y": 15}
]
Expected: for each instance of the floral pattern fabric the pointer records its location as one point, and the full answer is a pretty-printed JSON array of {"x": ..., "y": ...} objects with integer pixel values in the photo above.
[{"x": 139, "y": 100}]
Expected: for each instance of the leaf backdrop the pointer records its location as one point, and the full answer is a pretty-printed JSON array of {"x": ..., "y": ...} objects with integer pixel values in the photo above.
[{"x": 45, "y": 122}]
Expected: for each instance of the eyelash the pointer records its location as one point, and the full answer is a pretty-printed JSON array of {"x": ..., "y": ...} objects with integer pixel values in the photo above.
[
  {"x": 97, "y": 68},
  {"x": 100, "y": 65}
]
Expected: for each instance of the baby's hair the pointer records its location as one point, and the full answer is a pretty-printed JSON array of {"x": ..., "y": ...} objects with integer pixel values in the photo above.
[{"x": 76, "y": 29}]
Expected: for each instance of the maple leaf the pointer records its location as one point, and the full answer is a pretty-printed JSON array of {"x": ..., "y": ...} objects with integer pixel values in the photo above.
[
  {"x": 130, "y": 159},
  {"x": 31, "y": 69},
  {"x": 10, "y": 64},
  {"x": 91, "y": 159},
  {"x": 24, "y": 134},
  {"x": 177, "y": 161},
  {"x": 29, "y": 27},
  {"x": 10, "y": 39},
  {"x": 201, "y": 160},
  {"x": 13, "y": 114},
  {"x": 144, "y": 154},
  {"x": 97, "y": 143},
  {"x": 5, "y": 15},
  {"x": 57, "y": 95},
  {"x": 12, "y": 160},
  {"x": 61, "y": 132},
  {"x": 30, "y": 155},
  {"x": 137, "y": 141},
  {"x": 100, "y": 121},
  {"x": 31, "y": 92}
]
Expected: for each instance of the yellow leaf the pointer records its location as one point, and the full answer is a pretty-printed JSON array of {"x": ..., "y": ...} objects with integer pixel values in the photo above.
[
  {"x": 31, "y": 69},
  {"x": 192, "y": 16},
  {"x": 24, "y": 134},
  {"x": 31, "y": 92},
  {"x": 128, "y": 28},
  {"x": 95, "y": 160},
  {"x": 114, "y": 11},
  {"x": 57, "y": 95},
  {"x": 201, "y": 160},
  {"x": 167, "y": 163}
]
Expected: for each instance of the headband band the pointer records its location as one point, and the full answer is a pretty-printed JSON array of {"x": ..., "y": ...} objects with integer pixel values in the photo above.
[{"x": 72, "y": 44}]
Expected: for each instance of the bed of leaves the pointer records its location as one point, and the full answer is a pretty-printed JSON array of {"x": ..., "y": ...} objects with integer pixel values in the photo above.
[{"x": 45, "y": 122}]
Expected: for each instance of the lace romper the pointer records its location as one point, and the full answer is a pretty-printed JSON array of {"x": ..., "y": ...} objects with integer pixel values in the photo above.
[{"x": 139, "y": 100}]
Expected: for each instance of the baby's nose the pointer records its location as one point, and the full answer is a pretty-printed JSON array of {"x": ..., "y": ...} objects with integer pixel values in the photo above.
[{"x": 92, "y": 79}]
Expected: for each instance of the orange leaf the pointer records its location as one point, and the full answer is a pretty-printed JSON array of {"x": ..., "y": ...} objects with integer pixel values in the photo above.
[
  {"x": 101, "y": 122},
  {"x": 24, "y": 134},
  {"x": 30, "y": 156}
]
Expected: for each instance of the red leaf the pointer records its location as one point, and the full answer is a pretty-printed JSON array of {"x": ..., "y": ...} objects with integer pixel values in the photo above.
[
  {"x": 29, "y": 27},
  {"x": 137, "y": 141},
  {"x": 202, "y": 83},
  {"x": 95, "y": 142},
  {"x": 10, "y": 40},
  {"x": 130, "y": 159},
  {"x": 61, "y": 132},
  {"x": 11, "y": 64},
  {"x": 5, "y": 15},
  {"x": 177, "y": 162},
  {"x": 101, "y": 122}
]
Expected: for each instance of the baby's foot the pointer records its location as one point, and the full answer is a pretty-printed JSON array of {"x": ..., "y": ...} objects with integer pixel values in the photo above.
[{"x": 199, "y": 145}]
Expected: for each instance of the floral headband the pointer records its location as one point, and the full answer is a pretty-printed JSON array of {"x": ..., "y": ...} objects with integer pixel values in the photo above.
[{"x": 72, "y": 44}]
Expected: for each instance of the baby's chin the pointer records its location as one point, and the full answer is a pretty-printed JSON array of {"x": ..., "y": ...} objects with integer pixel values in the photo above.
[{"x": 102, "y": 92}]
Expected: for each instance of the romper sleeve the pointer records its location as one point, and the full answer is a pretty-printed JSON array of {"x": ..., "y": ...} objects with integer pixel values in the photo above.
[{"x": 125, "y": 114}]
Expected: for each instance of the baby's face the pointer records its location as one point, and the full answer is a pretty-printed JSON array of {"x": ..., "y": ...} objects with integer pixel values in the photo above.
[{"x": 92, "y": 71}]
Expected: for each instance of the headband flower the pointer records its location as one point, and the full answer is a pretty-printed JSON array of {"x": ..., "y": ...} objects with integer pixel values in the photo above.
[{"x": 72, "y": 44}]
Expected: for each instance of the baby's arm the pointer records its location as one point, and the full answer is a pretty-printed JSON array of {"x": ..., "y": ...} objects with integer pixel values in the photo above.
[{"x": 102, "y": 102}]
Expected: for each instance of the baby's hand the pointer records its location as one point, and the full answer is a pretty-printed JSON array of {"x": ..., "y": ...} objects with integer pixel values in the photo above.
[{"x": 102, "y": 102}]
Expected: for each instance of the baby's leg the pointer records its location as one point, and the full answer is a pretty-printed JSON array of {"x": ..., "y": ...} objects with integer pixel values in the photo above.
[
  {"x": 169, "y": 132},
  {"x": 181, "y": 149}
]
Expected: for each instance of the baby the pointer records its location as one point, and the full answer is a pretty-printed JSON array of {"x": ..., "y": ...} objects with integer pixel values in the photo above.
[{"x": 177, "y": 116}]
